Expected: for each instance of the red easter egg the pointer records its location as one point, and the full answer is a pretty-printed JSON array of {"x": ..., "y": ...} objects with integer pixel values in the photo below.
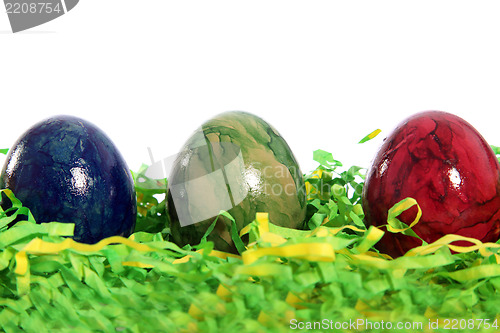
[{"x": 442, "y": 162}]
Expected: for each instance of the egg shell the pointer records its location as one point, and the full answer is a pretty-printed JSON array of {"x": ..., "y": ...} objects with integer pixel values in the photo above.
[
  {"x": 65, "y": 169},
  {"x": 444, "y": 163},
  {"x": 239, "y": 163}
]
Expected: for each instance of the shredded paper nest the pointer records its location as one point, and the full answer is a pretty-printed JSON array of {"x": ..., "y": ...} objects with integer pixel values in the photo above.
[{"x": 328, "y": 277}]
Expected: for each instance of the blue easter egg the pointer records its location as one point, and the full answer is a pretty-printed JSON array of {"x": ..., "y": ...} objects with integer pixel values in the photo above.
[{"x": 65, "y": 169}]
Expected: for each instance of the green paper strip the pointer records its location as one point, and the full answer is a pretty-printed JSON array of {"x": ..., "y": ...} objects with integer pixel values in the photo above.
[
  {"x": 325, "y": 159},
  {"x": 370, "y": 136}
]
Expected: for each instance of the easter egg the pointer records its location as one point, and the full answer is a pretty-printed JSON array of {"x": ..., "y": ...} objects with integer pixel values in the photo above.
[
  {"x": 442, "y": 162},
  {"x": 236, "y": 162},
  {"x": 65, "y": 169}
]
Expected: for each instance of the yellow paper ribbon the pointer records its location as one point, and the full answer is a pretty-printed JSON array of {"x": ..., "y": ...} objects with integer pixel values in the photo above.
[
  {"x": 446, "y": 241},
  {"x": 41, "y": 247},
  {"x": 399, "y": 208},
  {"x": 308, "y": 251},
  {"x": 213, "y": 253}
]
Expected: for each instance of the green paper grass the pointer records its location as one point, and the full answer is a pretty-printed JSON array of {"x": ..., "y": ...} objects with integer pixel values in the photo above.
[{"x": 327, "y": 278}]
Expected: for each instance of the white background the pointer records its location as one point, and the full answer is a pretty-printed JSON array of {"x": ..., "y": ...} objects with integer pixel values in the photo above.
[{"x": 324, "y": 73}]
